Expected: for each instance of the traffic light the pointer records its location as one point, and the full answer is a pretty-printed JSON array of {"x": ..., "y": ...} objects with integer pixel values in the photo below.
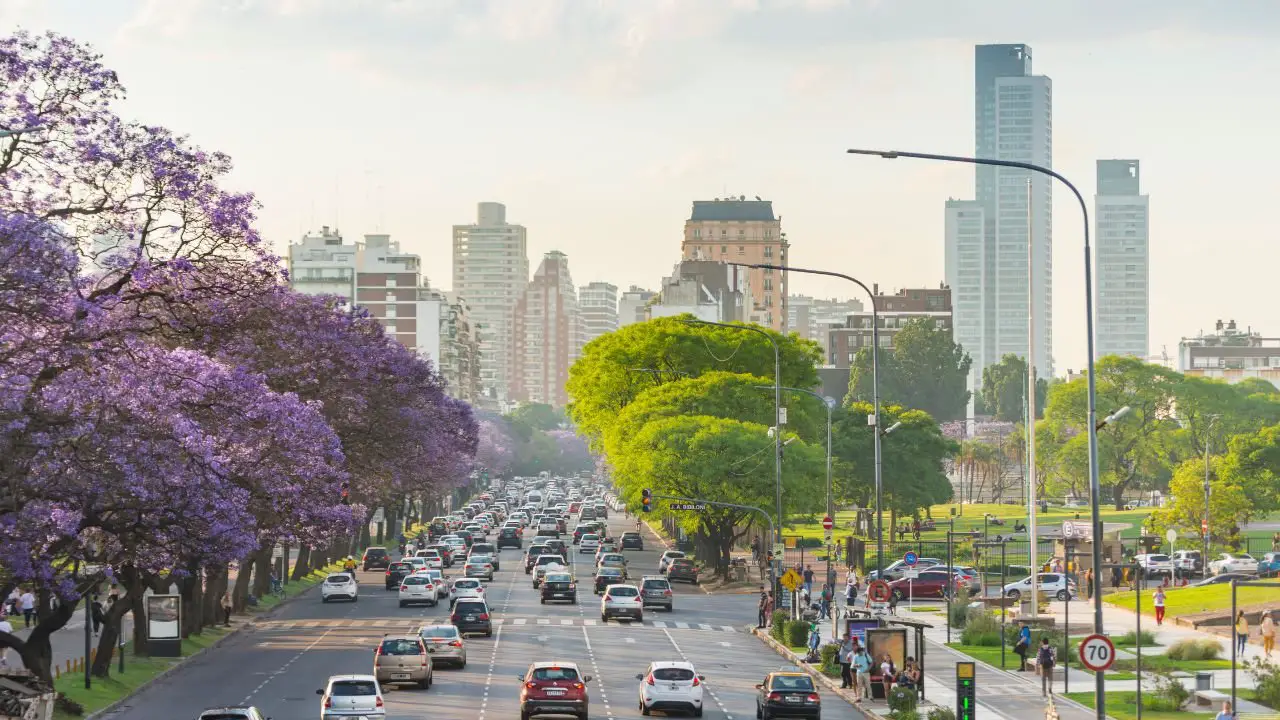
[
  {"x": 646, "y": 500},
  {"x": 346, "y": 493}
]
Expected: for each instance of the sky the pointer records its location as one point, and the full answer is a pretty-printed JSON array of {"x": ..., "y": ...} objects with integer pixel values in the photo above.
[{"x": 598, "y": 122}]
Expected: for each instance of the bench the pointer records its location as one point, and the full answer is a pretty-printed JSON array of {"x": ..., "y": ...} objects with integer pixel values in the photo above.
[{"x": 1209, "y": 698}]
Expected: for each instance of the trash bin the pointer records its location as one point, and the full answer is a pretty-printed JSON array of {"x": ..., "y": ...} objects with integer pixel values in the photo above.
[
  {"x": 740, "y": 573},
  {"x": 1204, "y": 680}
]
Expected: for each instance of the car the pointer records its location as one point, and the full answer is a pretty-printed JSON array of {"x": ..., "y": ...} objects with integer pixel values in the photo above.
[
  {"x": 896, "y": 569},
  {"x": 1223, "y": 579},
  {"x": 437, "y": 579},
  {"x": 545, "y": 563},
  {"x": 1188, "y": 562},
  {"x": 339, "y": 586},
  {"x": 554, "y": 687},
  {"x": 1234, "y": 563},
  {"x": 617, "y": 560},
  {"x": 968, "y": 578},
  {"x": 403, "y": 659},
  {"x": 608, "y": 576},
  {"x": 1269, "y": 564},
  {"x": 666, "y": 559},
  {"x": 439, "y": 526},
  {"x": 396, "y": 572},
  {"x": 465, "y": 537},
  {"x": 671, "y": 686},
  {"x": 432, "y": 556},
  {"x": 557, "y": 546},
  {"x": 930, "y": 583},
  {"x": 558, "y": 585},
  {"x": 351, "y": 696},
  {"x": 489, "y": 550},
  {"x": 446, "y": 552},
  {"x": 510, "y": 537},
  {"x": 478, "y": 566},
  {"x": 453, "y": 541},
  {"x": 471, "y": 615},
  {"x": 445, "y": 645},
  {"x": 1155, "y": 564},
  {"x": 683, "y": 569},
  {"x": 375, "y": 558},
  {"x": 466, "y": 589},
  {"x": 621, "y": 602},
  {"x": 531, "y": 556},
  {"x": 632, "y": 540},
  {"x": 588, "y": 543},
  {"x": 788, "y": 694},
  {"x": 239, "y": 712},
  {"x": 418, "y": 563},
  {"x": 419, "y": 590},
  {"x": 1055, "y": 585},
  {"x": 656, "y": 592}
]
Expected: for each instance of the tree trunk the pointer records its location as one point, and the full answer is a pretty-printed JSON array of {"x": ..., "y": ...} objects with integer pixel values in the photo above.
[
  {"x": 301, "y": 568},
  {"x": 112, "y": 624},
  {"x": 240, "y": 591},
  {"x": 37, "y": 651},
  {"x": 215, "y": 587},
  {"x": 262, "y": 570},
  {"x": 190, "y": 590}
]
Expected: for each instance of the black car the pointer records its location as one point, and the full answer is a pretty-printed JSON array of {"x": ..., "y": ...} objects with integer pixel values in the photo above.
[
  {"x": 446, "y": 553},
  {"x": 437, "y": 528},
  {"x": 558, "y": 547},
  {"x": 531, "y": 557},
  {"x": 607, "y": 576},
  {"x": 510, "y": 537},
  {"x": 472, "y": 616},
  {"x": 632, "y": 541},
  {"x": 682, "y": 569},
  {"x": 396, "y": 572},
  {"x": 466, "y": 537},
  {"x": 788, "y": 694},
  {"x": 559, "y": 586},
  {"x": 376, "y": 558}
]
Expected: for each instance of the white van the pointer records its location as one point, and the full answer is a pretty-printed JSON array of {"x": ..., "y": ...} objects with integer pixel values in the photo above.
[{"x": 534, "y": 498}]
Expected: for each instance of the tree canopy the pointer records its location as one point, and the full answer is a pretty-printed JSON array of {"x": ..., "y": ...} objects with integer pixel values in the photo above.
[
  {"x": 1004, "y": 390},
  {"x": 926, "y": 370}
]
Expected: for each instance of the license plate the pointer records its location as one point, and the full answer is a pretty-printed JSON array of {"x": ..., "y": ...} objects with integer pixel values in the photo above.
[
  {"x": 400, "y": 676},
  {"x": 552, "y": 691},
  {"x": 793, "y": 699},
  {"x": 471, "y": 617},
  {"x": 674, "y": 687}
]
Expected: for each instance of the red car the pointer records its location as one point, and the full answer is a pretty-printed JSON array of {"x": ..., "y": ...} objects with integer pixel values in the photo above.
[
  {"x": 931, "y": 583},
  {"x": 553, "y": 688}
]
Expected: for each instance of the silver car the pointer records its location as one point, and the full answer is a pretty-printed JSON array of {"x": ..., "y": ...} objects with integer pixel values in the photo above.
[
  {"x": 351, "y": 696},
  {"x": 445, "y": 644}
]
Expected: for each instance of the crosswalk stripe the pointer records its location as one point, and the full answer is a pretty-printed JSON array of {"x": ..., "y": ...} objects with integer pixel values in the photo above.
[
  {"x": 410, "y": 626},
  {"x": 682, "y": 626},
  {"x": 659, "y": 624},
  {"x": 589, "y": 621},
  {"x": 702, "y": 626},
  {"x": 566, "y": 621},
  {"x": 499, "y": 621},
  {"x": 544, "y": 621},
  {"x": 729, "y": 628},
  {"x": 519, "y": 621}
]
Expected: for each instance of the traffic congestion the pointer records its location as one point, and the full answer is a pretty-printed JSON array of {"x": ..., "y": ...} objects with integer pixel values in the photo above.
[{"x": 541, "y": 597}]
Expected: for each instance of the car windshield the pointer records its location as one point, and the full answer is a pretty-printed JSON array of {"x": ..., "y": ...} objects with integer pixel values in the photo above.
[
  {"x": 682, "y": 563},
  {"x": 338, "y": 579},
  {"x": 792, "y": 682},
  {"x": 546, "y": 559},
  {"x": 466, "y": 584},
  {"x": 1158, "y": 558},
  {"x": 400, "y": 567},
  {"x": 470, "y": 607},
  {"x": 672, "y": 555},
  {"x": 656, "y": 585},
  {"x": 623, "y": 591},
  {"x": 559, "y": 577},
  {"x": 353, "y": 688},
  {"x": 439, "y": 632},
  {"x": 417, "y": 580},
  {"x": 673, "y": 674},
  {"x": 549, "y": 674},
  {"x": 610, "y": 572},
  {"x": 590, "y": 537},
  {"x": 227, "y": 715},
  {"x": 401, "y": 647},
  {"x": 614, "y": 558}
]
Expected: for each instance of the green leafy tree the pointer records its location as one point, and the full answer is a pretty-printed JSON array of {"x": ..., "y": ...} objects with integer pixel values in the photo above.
[
  {"x": 913, "y": 473},
  {"x": 538, "y": 416},
  {"x": 1004, "y": 390},
  {"x": 720, "y": 459},
  {"x": 1252, "y": 462},
  {"x": 615, "y": 368},
  {"x": 1211, "y": 412},
  {"x": 926, "y": 370},
  {"x": 1132, "y": 451},
  {"x": 1229, "y": 505}
]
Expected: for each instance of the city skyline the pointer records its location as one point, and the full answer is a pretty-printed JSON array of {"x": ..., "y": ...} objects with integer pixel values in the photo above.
[{"x": 877, "y": 220}]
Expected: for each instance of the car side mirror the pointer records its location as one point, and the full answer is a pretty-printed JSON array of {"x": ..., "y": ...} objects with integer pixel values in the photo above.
[
  {"x": 320, "y": 691},
  {"x": 702, "y": 678},
  {"x": 639, "y": 676},
  {"x": 586, "y": 678},
  {"x": 759, "y": 686}
]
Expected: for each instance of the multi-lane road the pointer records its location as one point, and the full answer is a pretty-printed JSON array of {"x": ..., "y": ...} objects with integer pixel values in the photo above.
[{"x": 280, "y": 663}]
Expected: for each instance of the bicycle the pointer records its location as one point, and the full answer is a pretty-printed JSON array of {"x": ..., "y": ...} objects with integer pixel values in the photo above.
[{"x": 277, "y": 588}]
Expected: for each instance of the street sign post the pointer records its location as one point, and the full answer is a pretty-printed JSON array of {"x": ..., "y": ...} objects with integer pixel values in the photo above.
[
  {"x": 878, "y": 591},
  {"x": 779, "y": 550},
  {"x": 791, "y": 580},
  {"x": 828, "y": 523},
  {"x": 1097, "y": 653},
  {"x": 910, "y": 558},
  {"x": 966, "y": 691}
]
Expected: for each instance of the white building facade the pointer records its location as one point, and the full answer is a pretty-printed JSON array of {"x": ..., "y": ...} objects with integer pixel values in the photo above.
[
  {"x": 324, "y": 264},
  {"x": 597, "y": 310},
  {"x": 1122, "y": 251},
  {"x": 966, "y": 275}
]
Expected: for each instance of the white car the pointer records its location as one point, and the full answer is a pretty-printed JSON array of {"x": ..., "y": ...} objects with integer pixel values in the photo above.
[
  {"x": 1155, "y": 564},
  {"x": 466, "y": 589},
  {"x": 351, "y": 696},
  {"x": 671, "y": 686},
  {"x": 1234, "y": 563},
  {"x": 458, "y": 544},
  {"x": 433, "y": 558},
  {"x": 622, "y": 602},
  {"x": 589, "y": 543},
  {"x": 1055, "y": 585},
  {"x": 665, "y": 561},
  {"x": 418, "y": 589},
  {"x": 339, "y": 586},
  {"x": 437, "y": 579}
]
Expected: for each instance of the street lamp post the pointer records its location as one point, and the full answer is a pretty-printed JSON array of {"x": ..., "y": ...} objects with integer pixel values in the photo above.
[
  {"x": 1204, "y": 561},
  {"x": 777, "y": 436},
  {"x": 874, "y": 420},
  {"x": 1095, "y": 489}
]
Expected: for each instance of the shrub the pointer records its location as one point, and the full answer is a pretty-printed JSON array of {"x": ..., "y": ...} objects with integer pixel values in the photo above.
[
  {"x": 1131, "y": 640},
  {"x": 1167, "y": 696},
  {"x": 941, "y": 712},
  {"x": 959, "y": 615},
  {"x": 1266, "y": 678},
  {"x": 778, "y": 631},
  {"x": 981, "y": 628},
  {"x": 902, "y": 699},
  {"x": 797, "y": 633},
  {"x": 830, "y": 654},
  {"x": 1037, "y": 634},
  {"x": 1195, "y": 649}
]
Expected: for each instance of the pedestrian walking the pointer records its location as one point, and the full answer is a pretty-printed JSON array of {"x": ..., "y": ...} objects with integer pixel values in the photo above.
[
  {"x": 5, "y": 627},
  {"x": 98, "y": 614},
  {"x": 763, "y": 621},
  {"x": 808, "y": 580},
  {"x": 1045, "y": 660},
  {"x": 862, "y": 674},
  {"x": 851, "y": 591},
  {"x": 1088, "y": 583},
  {"x": 226, "y": 609},
  {"x": 28, "y": 602},
  {"x": 1157, "y": 600},
  {"x": 826, "y": 601},
  {"x": 1023, "y": 646},
  {"x": 1242, "y": 632},
  {"x": 1268, "y": 633},
  {"x": 847, "y": 650}
]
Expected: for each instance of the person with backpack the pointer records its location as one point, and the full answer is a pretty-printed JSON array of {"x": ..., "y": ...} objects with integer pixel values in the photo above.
[{"x": 1046, "y": 658}]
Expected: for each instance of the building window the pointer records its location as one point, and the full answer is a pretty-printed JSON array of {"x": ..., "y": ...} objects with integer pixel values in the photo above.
[
  {"x": 742, "y": 249},
  {"x": 724, "y": 249},
  {"x": 391, "y": 311},
  {"x": 391, "y": 282},
  {"x": 768, "y": 251}
]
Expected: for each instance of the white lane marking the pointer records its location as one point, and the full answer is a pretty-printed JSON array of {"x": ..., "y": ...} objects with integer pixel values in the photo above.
[
  {"x": 706, "y": 689},
  {"x": 702, "y": 626},
  {"x": 682, "y": 626},
  {"x": 544, "y": 621},
  {"x": 586, "y": 621},
  {"x": 598, "y": 678},
  {"x": 285, "y": 667},
  {"x": 729, "y": 628},
  {"x": 488, "y": 680},
  {"x": 630, "y": 640},
  {"x": 566, "y": 621},
  {"x": 519, "y": 621},
  {"x": 658, "y": 624}
]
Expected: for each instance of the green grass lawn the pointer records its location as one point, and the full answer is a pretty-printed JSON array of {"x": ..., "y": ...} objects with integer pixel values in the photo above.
[
  {"x": 1191, "y": 600},
  {"x": 1161, "y": 663},
  {"x": 1124, "y": 706},
  {"x": 989, "y": 654}
]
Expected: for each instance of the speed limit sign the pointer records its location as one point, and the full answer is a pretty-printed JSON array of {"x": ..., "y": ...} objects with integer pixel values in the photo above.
[{"x": 1097, "y": 653}]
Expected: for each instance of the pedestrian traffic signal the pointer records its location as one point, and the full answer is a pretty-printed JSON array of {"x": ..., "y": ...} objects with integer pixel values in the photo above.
[{"x": 646, "y": 500}]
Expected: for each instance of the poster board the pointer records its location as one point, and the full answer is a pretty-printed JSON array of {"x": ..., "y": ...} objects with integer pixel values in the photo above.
[
  {"x": 857, "y": 628},
  {"x": 887, "y": 640},
  {"x": 164, "y": 617}
]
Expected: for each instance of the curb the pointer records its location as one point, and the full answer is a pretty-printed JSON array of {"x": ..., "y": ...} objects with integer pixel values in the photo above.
[
  {"x": 817, "y": 675},
  {"x": 247, "y": 625}
]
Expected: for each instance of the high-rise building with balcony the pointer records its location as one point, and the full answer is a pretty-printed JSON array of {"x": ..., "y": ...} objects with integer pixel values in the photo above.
[
  {"x": 739, "y": 230},
  {"x": 490, "y": 272},
  {"x": 545, "y": 326},
  {"x": 324, "y": 264},
  {"x": 1121, "y": 247}
]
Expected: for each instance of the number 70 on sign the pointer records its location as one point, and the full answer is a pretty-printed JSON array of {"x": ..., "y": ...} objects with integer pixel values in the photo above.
[{"x": 1097, "y": 652}]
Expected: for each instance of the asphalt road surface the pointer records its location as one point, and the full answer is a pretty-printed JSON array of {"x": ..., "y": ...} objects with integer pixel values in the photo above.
[{"x": 279, "y": 665}]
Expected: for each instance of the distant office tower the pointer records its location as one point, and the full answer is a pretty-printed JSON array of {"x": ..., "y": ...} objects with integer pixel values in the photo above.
[
  {"x": 631, "y": 306},
  {"x": 814, "y": 318},
  {"x": 743, "y": 231},
  {"x": 490, "y": 272},
  {"x": 1122, "y": 254},
  {"x": 966, "y": 275},
  {"x": 598, "y": 309},
  {"x": 545, "y": 329},
  {"x": 1013, "y": 112}
]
